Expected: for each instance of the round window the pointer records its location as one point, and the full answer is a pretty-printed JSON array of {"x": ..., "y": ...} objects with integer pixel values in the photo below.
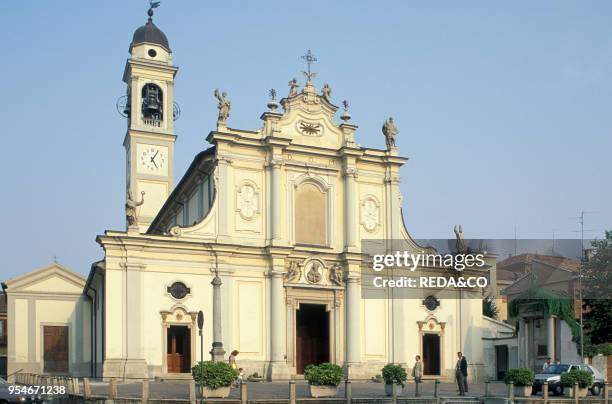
[
  {"x": 178, "y": 290},
  {"x": 431, "y": 303},
  {"x": 152, "y": 53}
]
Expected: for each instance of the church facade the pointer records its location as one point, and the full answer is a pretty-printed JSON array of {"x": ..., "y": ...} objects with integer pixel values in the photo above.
[{"x": 263, "y": 234}]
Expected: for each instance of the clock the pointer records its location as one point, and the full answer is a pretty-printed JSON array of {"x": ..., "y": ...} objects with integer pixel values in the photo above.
[{"x": 152, "y": 159}]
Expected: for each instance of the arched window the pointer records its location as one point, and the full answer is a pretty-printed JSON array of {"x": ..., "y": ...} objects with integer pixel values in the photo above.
[
  {"x": 310, "y": 215},
  {"x": 152, "y": 102}
]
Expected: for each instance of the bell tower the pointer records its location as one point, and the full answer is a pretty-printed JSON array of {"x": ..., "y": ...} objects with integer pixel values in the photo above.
[{"x": 150, "y": 110}]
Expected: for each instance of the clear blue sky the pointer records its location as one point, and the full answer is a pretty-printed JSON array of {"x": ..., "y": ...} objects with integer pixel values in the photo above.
[{"x": 504, "y": 108}]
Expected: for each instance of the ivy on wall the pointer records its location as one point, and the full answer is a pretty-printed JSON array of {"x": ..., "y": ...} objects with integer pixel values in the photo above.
[{"x": 547, "y": 303}]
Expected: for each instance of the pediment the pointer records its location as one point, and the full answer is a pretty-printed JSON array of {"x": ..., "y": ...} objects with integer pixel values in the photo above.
[
  {"x": 52, "y": 279},
  {"x": 308, "y": 119}
]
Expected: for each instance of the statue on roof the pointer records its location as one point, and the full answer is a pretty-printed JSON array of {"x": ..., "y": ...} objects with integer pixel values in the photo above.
[
  {"x": 130, "y": 207},
  {"x": 460, "y": 245},
  {"x": 293, "y": 86},
  {"x": 390, "y": 131},
  {"x": 224, "y": 107},
  {"x": 326, "y": 92}
]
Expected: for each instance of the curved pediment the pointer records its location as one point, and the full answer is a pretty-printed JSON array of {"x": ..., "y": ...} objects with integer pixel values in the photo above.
[{"x": 308, "y": 119}]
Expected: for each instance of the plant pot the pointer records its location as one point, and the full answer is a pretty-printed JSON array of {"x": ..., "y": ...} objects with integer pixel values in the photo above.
[
  {"x": 569, "y": 392},
  {"x": 522, "y": 391},
  {"x": 390, "y": 388},
  {"x": 323, "y": 391},
  {"x": 221, "y": 392}
]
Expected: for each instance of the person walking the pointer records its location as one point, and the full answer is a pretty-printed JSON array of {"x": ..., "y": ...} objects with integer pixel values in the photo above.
[
  {"x": 417, "y": 373},
  {"x": 461, "y": 374},
  {"x": 546, "y": 364}
]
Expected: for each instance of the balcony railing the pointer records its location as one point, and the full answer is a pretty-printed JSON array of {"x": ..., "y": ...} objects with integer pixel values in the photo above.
[{"x": 152, "y": 122}]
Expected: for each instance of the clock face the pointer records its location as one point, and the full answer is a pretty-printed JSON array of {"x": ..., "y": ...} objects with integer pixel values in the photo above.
[{"x": 152, "y": 159}]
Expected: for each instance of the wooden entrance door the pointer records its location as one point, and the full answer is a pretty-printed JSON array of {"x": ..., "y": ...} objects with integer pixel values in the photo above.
[
  {"x": 55, "y": 349},
  {"x": 312, "y": 337},
  {"x": 179, "y": 349},
  {"x": 431, "y": 354}
]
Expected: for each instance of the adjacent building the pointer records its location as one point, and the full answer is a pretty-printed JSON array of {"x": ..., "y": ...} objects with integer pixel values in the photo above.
[{"x": 543, "y": 331}]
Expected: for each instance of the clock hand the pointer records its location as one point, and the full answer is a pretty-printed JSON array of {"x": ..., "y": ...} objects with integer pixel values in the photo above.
[{"x": 153, "y": 161}]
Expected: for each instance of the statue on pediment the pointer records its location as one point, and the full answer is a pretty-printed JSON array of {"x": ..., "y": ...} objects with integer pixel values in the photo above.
[
  {"x": 335, "y": 275},
  {"x": 224, "y": 107},
  {"x": 130, "y": 207},
  {"x": 293, "y": 87},
  {"x": 390, "y": 131},
  {"x": 326, "y": 92},
  {"x": 294, "y": 272}
]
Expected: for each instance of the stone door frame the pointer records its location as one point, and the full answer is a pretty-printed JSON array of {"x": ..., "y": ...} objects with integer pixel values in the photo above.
[
  {"x": 178, "y": 316},
  {"x": 333, "y": 300},
  {"x": 431, "y": 325}
]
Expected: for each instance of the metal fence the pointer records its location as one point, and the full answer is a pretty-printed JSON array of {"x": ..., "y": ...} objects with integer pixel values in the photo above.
[{"x": 80, "y": 390}]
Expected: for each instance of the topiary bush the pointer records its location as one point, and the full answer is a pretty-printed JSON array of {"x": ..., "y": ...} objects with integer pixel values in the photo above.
[
  {"x": 394, "y": 374},
  {"x": 214, "y": 374},
  {"x": 582, "y": 377},
  {"x": 325, "y": 374},
  {"x": 520, "y": 377}
]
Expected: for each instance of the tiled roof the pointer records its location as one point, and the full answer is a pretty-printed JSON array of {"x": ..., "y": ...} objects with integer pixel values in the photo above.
[
  {"x": 519, "y": 261},
  {"x": 505, "y": 275}
]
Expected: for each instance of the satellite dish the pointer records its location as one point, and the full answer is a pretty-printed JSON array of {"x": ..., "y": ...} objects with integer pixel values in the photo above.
[
  {"x": 176, "y": 112},
  {"x": 123, "y": 106}
]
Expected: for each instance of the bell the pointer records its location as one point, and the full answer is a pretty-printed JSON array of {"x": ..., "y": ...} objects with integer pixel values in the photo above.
[
  {"x": 151, "y": 102},
  {"x": 151, "y": 106}
]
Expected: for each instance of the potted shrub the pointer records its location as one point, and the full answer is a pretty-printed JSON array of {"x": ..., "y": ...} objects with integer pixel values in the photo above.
[
  {"x": 582, "y": 377},
  {"x": 323, "y": 379},
  {"x": 255, "y": 377},
  {"x": 523, "y": 379},
  {"x": 216, "y": 378},
  {"x": 395, "y": 379}
]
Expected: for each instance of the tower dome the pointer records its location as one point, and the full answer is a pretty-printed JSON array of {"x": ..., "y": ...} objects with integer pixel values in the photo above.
[{"x": 149, "y": 33}]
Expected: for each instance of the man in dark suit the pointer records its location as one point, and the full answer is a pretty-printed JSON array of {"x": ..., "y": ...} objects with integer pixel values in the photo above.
[{"x": 461, "y": 374}]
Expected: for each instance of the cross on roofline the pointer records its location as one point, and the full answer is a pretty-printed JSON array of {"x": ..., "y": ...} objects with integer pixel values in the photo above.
[{"x": 310, "y": 59}]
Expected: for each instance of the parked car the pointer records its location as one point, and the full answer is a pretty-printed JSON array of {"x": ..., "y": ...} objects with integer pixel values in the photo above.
[{"x": 552, "y": 375}]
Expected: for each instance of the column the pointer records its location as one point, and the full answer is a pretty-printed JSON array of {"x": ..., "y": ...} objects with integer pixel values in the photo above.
[
  {"x": 275, "y": 201},
  {"x": 550, "y": 330},
  {"x": 278, "y": 325},
  {"x": 351, "y": 203},
  {"x": 353, "y": 322},
  {"x": 223, "y": 186},
  {"x": 525, "y": 328},
  {"x": 217, "y": 352},
  {"x": 278, "y": 369}
]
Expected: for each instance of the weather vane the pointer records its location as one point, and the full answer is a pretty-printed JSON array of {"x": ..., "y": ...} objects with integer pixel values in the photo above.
[
  {"x": 152, "y": 4},
  {"x": 310, "y": 59}
]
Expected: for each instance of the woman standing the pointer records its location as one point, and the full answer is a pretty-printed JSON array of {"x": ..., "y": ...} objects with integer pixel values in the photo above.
[{"x": 232, "y": 359}]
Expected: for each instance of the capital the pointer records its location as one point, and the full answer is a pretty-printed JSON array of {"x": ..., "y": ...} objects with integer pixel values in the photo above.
[
  {"x": 216, "y": 281},
  {"x": 351, "y": 172}
]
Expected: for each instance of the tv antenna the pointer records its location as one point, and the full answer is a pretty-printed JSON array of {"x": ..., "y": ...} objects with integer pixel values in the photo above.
[{"x": 582, "y": 260}]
